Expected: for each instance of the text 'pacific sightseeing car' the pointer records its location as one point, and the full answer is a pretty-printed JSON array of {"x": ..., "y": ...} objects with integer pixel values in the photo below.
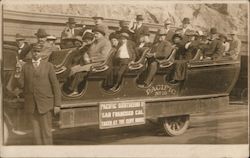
[{"x": 163, "y": 79}]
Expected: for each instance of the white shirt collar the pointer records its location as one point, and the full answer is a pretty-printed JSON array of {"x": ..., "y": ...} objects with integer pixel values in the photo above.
[{"x": 38, "y": 60}]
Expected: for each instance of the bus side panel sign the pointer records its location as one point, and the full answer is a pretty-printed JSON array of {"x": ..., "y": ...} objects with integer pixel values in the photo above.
[{"x": 120, "y": 114}]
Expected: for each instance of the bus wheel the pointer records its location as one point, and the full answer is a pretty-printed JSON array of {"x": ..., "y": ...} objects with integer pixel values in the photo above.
[{"x": 176, "y": 125}]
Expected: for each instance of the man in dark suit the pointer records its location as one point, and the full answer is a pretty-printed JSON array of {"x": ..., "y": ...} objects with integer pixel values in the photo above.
[
  {"x": 160, "y": 50},
  {"x": 139, "y": 28},
  {"x": 125, "y": 53},
  {"x": 41, "y": 94},
  {"x": 23, "y": 47},
  {"x": 169, "y": 32},
  {"x": 99, "y": 23},
  {"x": 71, "y": 30}
]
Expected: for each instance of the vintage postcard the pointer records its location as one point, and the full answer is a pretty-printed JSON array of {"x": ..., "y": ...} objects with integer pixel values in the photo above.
[{"x": 148, "y": 78}]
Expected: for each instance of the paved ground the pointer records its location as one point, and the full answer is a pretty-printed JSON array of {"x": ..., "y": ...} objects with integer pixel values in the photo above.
[{"x": 226, "y": 127}]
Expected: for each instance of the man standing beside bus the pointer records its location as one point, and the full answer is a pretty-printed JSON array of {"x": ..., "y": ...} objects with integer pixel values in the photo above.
[
  {"x": 41, "y": 94},
  {"x": 235, "y": 45}
]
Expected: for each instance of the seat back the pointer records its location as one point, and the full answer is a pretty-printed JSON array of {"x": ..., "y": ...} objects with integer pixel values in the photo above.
[
  {"x": 140, "y": 62},
  {"x": 169, "y": 61}
]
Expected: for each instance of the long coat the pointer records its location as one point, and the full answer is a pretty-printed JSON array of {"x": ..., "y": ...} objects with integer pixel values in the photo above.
[
  {"x": 41, "y": 87},
  {"x": 140, "y": 31}
]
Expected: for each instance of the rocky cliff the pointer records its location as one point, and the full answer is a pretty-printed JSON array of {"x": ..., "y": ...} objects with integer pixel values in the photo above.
[{"x": 224, "y": 17}]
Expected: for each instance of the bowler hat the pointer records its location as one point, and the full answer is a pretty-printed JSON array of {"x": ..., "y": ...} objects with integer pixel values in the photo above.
[
  {"x": 97, "y": 17},
  {"x": 19, "y": 37},
  {"x": 162, "y": 32},
  {"x": 125, "y": 35},
  {"x": 41, "y": 33},
  {"x": 139, "y": 17},
  {"x": 167, "y": 21},
  {"x": 99, "y": 29},
  {"x": 71, "y": 20},
  {"x": 213, "y": 30},
  {"x": 186, "y": 21}
]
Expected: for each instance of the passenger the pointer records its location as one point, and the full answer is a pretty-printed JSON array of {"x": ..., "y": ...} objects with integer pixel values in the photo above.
[
  {"x": 144, "y": 42},
  {"x": 160, "y": 50},
  {"x": 52, "y": 41},
  {"x": 98, "y": 52},
  {"x": 215, "y": 48},
  {"x": 235, "y": 46},
  {"x": 124, "y": 55},
  {"x": 125, "y": 28},
  {"x": 23, "y": 48},
  {"x": 225, "y": 43},
  {"x": 42, "y": 42},
  {"x": 139, "y": 29},
  {"x": 192, "y": 44},
  {"x": 99, "y": 23},
  {"x": 168, "y": 30},
  {"x": 203, "y": 43},
  {"x": 180, "y": 67},
  {"x": 114, "y": 39},
  {"x": 185, "y": 25},
  {"x": 71, "y": 30}
]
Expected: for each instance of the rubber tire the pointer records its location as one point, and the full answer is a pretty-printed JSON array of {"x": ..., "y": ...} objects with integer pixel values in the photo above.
[{"x": 184, "y": 119}]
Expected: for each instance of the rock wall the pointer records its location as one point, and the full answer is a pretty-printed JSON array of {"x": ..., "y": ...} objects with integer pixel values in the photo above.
[{"x": 224, "y": 17}]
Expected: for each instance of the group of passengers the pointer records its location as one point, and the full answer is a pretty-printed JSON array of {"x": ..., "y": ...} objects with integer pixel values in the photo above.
[{"x": 130, "y": 44}]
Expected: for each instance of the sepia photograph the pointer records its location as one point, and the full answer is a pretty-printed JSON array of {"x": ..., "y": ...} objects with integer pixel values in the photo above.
[{"x": 125, "y": 75}]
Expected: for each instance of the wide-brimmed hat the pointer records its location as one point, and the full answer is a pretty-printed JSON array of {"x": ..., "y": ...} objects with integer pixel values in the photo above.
[
  {"x": 97, "y": 17},
  {"x": 71, "y": 20},
  {"x": 87, "y": 35},
  {"x": 186, "y": 21},
  {"x": 167, "y": 22},
  {"x": 177, "y": 36},
  {"x": 124, "y": 35},
  {"x": 213, "y": 30},
  {"x": 162, "y": 32},
  {"x": 100, "y": 29},
  {"x": 41, "y": 33},
  {"x": 19, "y": 37},
  {"x": 51, "y": 37},
  {"x": 139, "y": 17}
]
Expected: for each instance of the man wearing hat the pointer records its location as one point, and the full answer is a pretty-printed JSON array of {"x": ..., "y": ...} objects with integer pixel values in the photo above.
[
  {"x": 46, "y": 47},
  {"x": 215, "y": 47},
  {"x": 23, "y": 47},
  {"x": 169, "y": 32},
  {"x": 99, "y": 23},
  {"x": 125, "y": 53},
  {"x": 160, "y": 50},
  {"x": 125, "y": 28},
  {"x": 71, "y": 30},
  {"x": 185, "y": 25},
  {"x": 41, "y": 94},
  {"x": 139, "y": 29},
  {"x": 235, "y": 45},
  {"x": 98, "y": 52}
]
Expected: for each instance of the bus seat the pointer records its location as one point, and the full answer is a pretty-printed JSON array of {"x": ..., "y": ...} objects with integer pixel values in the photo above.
[
  {"x": 169, "y": 61},
  {"x": 104, "y": 65},
  {"x": 139, "y": 63}
]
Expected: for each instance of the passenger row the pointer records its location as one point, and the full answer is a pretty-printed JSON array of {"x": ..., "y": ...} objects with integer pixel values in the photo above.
[{"x": 130, "y": 44}]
